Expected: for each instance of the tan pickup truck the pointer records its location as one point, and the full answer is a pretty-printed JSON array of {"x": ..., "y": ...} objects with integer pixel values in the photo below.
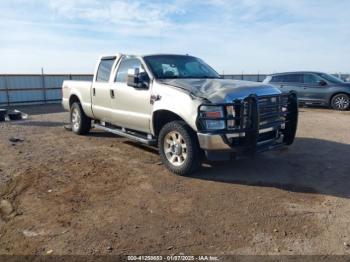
[{"x": 181, "y": 105}]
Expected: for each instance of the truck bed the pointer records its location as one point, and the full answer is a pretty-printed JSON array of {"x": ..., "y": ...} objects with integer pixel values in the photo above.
[{"x": 82, "y": 90}]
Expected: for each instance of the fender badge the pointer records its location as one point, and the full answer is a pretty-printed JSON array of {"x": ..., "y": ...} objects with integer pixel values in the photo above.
[{"x": 154, "y": 98}]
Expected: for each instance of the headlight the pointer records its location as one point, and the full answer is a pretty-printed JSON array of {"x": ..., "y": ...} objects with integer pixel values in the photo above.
[{"x": 212, "y": 112}]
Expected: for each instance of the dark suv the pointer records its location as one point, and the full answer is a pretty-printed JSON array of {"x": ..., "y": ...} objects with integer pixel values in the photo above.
[{"x": 314, "y": 88}]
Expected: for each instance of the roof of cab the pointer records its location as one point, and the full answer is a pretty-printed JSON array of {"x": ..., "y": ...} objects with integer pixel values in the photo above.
[{"x": 109, "y": 56}]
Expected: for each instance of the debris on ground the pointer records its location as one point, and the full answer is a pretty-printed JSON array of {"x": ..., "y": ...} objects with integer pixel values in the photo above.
[
  {"x": 68, "y": 127},
  {"x": 29, "y": 233},
  {"x": 15, "y": 115},
  {"x": 6, "y": 207},
  {"x": 15, "y": 140},
  {"x": 3, "y": 113}
]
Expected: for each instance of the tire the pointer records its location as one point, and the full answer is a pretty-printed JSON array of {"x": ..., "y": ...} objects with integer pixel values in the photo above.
[
  {"x": 179, "y": 149},
  {"x": 81, "y": 124},
  {"x": 3, "y": 113},
  {"x": 340, "y": 102},
  {"x": 15, "y": 116}
]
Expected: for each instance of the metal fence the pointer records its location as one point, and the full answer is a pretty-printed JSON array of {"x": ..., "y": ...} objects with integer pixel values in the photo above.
[
  {"x": 261, "y": 77},
  {"x": 246, "y": 77},
  {"x": 43, "y": 88},
  {"x": 33, "y": 89}
]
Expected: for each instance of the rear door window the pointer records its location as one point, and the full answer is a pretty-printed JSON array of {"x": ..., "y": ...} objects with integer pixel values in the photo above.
[
  {"x": 277, "y": 79},
  {"x": 293, "y": 78},
  {"x": 290, "y": 78},
  {"x": 104, "y": 70}
]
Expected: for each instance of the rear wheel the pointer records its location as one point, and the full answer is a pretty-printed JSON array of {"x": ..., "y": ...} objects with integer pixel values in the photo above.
[
  {"x": 340, "y": 102},
  {"x": 179, "y": 149},
  {"x": 81, "y": 124}
]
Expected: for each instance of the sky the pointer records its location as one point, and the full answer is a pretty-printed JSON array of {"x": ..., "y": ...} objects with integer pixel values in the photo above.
[{"x": 237, "y": 36}]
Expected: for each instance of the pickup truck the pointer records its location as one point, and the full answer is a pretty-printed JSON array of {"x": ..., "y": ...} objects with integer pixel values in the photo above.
[{"x": 181, "y": 105}]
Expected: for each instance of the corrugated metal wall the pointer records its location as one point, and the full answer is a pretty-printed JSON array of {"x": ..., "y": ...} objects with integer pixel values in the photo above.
[
  {"x": 34, "y": 89},
  {"x": 41, "y": 89}
]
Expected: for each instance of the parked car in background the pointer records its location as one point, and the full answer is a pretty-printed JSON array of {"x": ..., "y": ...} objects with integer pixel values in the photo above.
[{"x": 314, "y": 88}]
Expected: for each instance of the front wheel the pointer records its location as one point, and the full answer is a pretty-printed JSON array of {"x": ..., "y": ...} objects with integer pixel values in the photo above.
[
  {"x": 81, "y": 124},
  {"x": 340, "y": 102},
  {"x": 178, "y": 148}
]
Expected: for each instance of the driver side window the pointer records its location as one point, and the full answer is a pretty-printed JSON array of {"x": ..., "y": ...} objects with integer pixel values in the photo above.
[{"x": 125, "y": 65}]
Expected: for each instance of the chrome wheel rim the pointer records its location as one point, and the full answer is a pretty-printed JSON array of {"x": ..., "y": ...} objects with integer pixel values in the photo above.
[
  {"x": 75, "y": 119},
  {"x": 175, "y": 148},
  {"x": 341, "y": 102}
]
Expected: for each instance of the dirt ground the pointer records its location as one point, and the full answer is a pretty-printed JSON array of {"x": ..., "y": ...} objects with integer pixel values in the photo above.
[{"x": 100, "y": 194}]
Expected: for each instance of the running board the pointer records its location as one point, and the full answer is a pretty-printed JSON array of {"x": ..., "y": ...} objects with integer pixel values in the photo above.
[{"x": 127, "y": 134}]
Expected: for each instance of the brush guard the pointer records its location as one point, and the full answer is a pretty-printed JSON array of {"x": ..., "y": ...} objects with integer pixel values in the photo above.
[{"x": 262, "y": 123}]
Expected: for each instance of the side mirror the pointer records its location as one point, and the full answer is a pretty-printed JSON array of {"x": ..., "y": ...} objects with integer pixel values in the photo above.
[
  {"x": 322, "y": 83},
  {"x": 136, "y": 80},
  {"x": 133, "y": 79}
]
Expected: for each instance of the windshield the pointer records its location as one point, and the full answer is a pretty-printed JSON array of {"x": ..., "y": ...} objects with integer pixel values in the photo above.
[
  {"x": 331, "y": 78},
  {"x": 179, "y": 66}
]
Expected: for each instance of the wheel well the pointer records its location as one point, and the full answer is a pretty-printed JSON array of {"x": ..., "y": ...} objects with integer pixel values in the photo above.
[
  {"x": 73, "y": 99},
  {"x": 161, "y": 118},
  {"x": 330, "y": 101}
]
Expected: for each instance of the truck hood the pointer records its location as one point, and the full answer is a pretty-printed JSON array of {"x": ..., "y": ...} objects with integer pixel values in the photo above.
[{"x": 221, "y": 90}]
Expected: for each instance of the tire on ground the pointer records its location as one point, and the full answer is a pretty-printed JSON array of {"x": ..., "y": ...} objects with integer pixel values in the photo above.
[
  {"x": 340, "y": 102},
  {"x": 3, "y": 113},
  {"x": 83, "y": 126},
  {"x": 192, "y": 161},
  {"x": 14, "y": 116}
]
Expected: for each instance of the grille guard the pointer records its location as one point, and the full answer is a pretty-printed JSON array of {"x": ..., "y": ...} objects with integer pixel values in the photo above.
[{"x": 250, "y": 112}]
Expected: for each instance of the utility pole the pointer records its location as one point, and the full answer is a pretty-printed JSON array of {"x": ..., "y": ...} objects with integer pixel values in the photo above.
[{"x": 43, "y": 84}]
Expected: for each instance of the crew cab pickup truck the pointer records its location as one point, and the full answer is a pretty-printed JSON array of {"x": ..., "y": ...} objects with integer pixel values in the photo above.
[{"x": 181, "y": 105}]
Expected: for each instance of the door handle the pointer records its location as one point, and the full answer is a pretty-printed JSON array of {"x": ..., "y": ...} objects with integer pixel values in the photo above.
[
  {"x": 94, "y": 91},
  {"x": 112, "y": 93}
]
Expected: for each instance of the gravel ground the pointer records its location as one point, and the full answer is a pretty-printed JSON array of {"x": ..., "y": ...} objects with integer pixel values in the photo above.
[{"x": 101, "y": 194}]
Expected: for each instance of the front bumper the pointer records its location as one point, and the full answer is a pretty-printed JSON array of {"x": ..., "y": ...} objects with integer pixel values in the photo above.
[
  {"x": 262, "y": 125},
  {"x": 220, "y": 142}
]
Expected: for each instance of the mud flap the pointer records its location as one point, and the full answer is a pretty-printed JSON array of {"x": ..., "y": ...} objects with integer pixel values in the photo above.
[{"x": 291, "y": 119}]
